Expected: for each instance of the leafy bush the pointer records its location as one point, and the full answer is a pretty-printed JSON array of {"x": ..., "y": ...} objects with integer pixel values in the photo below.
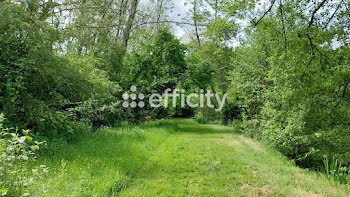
[
  {"x": 207, "y": 115},
  {"x": 230, "y": 112},
  {"x": 299, "y": 105},
  {"x": 97, "y": 113},
  {"x": 38, "y": 86},
  {"x": 158, "y": 64},
  {"x": 16, "y": 150}
]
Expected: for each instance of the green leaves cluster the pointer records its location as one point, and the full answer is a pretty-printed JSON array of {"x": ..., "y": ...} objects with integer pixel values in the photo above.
[
  {"x": 291, "y": 79},
  {"x": 17, "y": 148},
  {"x": 41, "y": 89}
]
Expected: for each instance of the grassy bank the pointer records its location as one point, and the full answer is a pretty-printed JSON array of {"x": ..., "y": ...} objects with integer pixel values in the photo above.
[
  {"x": 176, "y": 158},
  {"x": 103, "y": 162}
]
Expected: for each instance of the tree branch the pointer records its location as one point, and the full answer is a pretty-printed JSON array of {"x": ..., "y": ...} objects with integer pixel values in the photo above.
[
  {"x": 137, "y": 25},
  {"x": 283, "y": 26},
  {"x": 332, "y": 16},
  {"x": 345, "y": 85},
  {"x": 265, "y": 13},
  {"x": 314, "y": 13}
]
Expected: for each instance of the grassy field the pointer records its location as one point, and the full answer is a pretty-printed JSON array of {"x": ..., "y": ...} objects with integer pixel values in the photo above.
[{"x": 177, "y": 158}]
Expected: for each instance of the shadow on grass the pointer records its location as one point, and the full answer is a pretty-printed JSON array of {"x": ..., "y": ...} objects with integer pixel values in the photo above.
[{"x": 191, "y": 126}]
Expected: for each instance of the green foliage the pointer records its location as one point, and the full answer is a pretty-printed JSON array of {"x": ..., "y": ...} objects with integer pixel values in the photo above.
[
  {"x": 158, "y": 64},
  {"x": 64, "y": 67},
  {"x": 17, "y": 148},
  {"x": 206, "y": 116},
  {"x": 334, "y": 170},
  {"x": 292, "y": 86},
  {"x": 50, "y": 93},
  {"x": 200, "y": 73},
  {"x": 230, "y": 113}
]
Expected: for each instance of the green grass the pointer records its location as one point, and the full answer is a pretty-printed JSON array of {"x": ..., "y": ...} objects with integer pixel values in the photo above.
[{"x": 177, "y": 158}]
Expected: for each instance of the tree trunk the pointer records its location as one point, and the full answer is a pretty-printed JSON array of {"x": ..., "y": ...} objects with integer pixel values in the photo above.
[
  {"x": 159, "y": 12},
  {"x": 129, "y": 23},
  {"x": 122, "y": 11},
  {"x": 195, "y": 23},
  {"x": 216, "y": 9}
]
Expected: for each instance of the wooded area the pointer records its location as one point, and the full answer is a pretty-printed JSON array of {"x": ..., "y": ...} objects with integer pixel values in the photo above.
[{"x": 284, "y": 65}]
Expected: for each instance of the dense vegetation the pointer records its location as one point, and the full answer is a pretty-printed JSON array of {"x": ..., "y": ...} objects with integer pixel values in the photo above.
[{"x": 285, "y": 66}]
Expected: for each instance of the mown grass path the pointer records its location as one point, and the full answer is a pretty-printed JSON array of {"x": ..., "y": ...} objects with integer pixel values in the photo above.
[
  {"x": 177, "y": 158},
  {"x": 210, "y": 160}
]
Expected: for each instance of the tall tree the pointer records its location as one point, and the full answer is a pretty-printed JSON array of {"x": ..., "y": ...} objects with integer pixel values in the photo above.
[{"x": 129, "y": 22}]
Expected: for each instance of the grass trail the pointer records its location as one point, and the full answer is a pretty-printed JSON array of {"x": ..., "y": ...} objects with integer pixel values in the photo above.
[{"x": 177, "y": 158}]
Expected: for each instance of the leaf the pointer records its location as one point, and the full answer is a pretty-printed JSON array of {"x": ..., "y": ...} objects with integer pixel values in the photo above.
[
  {"x": 29, "y": 138},
  {"x": 25, "y": 131},
  {"x": 4, "y": 191},
  {"x": 37, "y": 147}
]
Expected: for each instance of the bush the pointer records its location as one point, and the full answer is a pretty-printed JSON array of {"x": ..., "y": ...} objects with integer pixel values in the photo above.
[
  {"x": 335, "y": 170},
  {"x": 303, "y": 112},
  {"x": 16, "y": 150},
  {"x": 230, "y": 112},
  {"x": 207, "y": 115},
  {"x": 38, "y": 87}
]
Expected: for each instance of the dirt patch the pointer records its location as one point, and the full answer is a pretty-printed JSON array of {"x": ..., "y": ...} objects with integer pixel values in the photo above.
[
  {"x": 254, "y": 145},
  {"x": 219, "y": 127},
  {"x": 229, "y": 141},
  {"x": 256, "y": 190},
  {"x": 299, "y": 192},
  {"x": 239, "y": 140}
]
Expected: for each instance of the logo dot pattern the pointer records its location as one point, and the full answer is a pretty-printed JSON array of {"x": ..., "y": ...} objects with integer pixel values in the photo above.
[{"x": 133, "y": 97}]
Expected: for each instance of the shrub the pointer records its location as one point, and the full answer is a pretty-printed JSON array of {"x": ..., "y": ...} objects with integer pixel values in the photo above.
[
  {"x": 230, "y": 112},
  {"x": 335, "y": 170},
  {"x": 16, "y": 150}
]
